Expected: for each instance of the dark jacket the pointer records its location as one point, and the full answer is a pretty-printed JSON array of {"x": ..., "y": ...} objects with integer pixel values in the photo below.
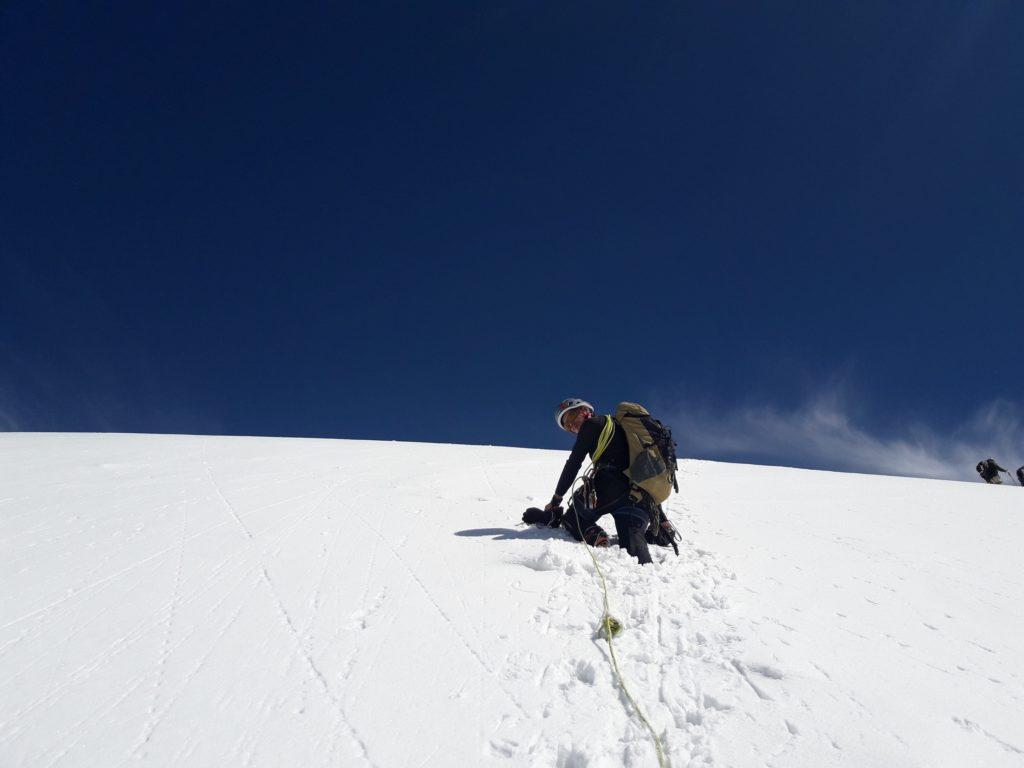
[
  {"x": 989, "y": 469},
  {"x": 610, "y": 482}
]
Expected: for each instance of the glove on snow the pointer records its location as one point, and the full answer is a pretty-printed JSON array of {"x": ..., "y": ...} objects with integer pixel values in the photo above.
[{"x": 536, "y": 516}]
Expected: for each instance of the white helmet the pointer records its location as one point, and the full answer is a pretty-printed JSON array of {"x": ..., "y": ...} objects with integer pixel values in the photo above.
[{"x": 569, "y": 404}]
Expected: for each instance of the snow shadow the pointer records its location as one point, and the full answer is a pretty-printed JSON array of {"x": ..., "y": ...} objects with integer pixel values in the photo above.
[{"x": 504, "y": 534}]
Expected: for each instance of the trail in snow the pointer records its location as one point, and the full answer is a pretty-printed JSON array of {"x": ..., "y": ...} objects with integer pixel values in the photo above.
[{"x": 257, "y": 602}]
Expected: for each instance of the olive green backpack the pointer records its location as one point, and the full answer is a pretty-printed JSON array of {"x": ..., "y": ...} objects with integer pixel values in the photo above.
[{"x": 652, "y": 451}]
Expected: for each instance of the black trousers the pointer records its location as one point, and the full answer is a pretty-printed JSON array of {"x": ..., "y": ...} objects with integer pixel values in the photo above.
[
  {"x": 631, "y": 529},
  {"x": 630, "y": 524}
]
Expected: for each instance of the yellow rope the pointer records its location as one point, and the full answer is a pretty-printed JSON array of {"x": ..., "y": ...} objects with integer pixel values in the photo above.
[
  {"x": 604, "y": 438},
  {"x": 611, "y": 627}
]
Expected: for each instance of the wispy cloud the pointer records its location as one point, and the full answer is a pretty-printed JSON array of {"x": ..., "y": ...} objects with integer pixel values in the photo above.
[
  {"x": 9, "y": 421},
  {"x": 77, "y": 393},
  {"x": 821, "y": 433}
]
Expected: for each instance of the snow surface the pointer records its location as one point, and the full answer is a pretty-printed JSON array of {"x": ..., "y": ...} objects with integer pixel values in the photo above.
[{"x": 216, "y": 601}]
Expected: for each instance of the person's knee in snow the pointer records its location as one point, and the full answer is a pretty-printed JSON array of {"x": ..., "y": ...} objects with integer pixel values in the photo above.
[{"x": 631, "y": 525}]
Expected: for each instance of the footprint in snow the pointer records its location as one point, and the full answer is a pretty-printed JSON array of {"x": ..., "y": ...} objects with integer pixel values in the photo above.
[
  {"x": 765, "y": 671},
  {"x": 570, "y": 757},
  {"x": 586, "y": 672},
  {"x": 549, "y": 560}
]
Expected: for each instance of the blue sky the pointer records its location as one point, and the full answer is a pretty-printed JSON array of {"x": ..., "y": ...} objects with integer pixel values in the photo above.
[{"x": 795, "y": 229}]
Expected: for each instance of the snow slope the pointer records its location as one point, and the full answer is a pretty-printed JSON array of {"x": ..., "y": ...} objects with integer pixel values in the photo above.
[{"x": 174, "y": 600}]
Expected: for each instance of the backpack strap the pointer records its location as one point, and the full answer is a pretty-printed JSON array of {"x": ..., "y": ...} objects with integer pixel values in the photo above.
[{"x": 604, "y": 438}]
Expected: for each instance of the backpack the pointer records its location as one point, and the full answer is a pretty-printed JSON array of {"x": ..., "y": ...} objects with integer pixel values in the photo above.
[{"x": 652, "y": 451}]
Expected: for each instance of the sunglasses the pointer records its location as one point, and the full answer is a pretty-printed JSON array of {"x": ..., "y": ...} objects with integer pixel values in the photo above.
[{"x": 570, "y": 414}]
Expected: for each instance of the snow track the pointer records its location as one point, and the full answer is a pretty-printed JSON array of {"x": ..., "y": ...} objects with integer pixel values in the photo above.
[{"x": 261, "y": 602}]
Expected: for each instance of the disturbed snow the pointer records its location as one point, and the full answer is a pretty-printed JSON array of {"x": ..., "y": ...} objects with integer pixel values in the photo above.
[{"x": 216, "y": 601}]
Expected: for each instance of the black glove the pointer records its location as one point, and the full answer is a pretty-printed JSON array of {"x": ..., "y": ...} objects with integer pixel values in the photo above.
[{"x": 549, "y": 517}]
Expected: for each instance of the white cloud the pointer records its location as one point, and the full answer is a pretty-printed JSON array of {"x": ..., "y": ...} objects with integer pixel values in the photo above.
[{"x": 821, "y": 433}]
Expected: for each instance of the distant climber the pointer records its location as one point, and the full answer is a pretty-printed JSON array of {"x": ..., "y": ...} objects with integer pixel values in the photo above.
[
  {"x": 989, "y": 471},
  {"x": 1020, "y": 475},
  {"x": 630, "y": 477}
]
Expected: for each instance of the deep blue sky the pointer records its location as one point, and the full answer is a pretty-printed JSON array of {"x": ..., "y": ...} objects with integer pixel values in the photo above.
[{"x": 432, "y": 221}]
